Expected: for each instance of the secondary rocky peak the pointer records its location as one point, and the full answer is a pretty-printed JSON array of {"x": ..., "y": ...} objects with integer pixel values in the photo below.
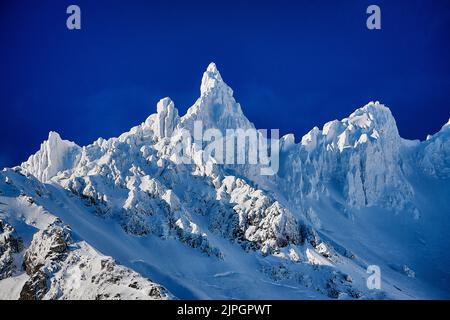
[
  {"x": 55, "y": 155},
  {"x": 374, "y": 121}
]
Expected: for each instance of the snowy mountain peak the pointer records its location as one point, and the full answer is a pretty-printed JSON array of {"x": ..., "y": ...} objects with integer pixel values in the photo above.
[
  {"x": 372, "y": 122},
  {"x": 363, "y": 149},
  {"x": 216, "y": 106},
  {"x": 55, "y": 155},
  {"x": 373, "y": 114},
  {"x": 54, "y": 137},
  {"x": 307, "y": 232},
  {"x": 212, "y": 68},
  {"x": 212, "y": 81}
]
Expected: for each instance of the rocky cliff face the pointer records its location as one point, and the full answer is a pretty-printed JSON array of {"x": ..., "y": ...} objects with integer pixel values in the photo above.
[{"x": 10, "y": 245}]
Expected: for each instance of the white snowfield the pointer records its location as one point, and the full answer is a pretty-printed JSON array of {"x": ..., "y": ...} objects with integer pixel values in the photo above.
[{"x": 119, "y": 219}]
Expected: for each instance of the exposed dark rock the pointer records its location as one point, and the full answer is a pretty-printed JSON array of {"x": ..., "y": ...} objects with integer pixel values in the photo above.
[
  {"x": 35, "y": 287},
  {"x": 10, "y": 244},
  {"x": 47, "y": 249},
  {"x": 48, "y": 245}
]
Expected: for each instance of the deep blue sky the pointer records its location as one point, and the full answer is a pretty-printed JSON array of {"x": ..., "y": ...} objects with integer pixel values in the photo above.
[{"x": 292, "y": 64}]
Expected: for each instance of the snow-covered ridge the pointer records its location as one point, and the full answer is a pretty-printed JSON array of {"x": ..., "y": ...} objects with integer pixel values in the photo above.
[
  {"x": 359, "y": 156},
  {"x": 62, "y": 269},
  {"x": 433, "y": 155},
  {"x": 372, "y": 122}
]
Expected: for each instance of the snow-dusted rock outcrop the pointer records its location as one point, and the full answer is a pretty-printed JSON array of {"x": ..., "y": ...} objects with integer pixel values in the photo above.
[
  {"x": 262, "y": 221},
  {"x": 59, "y": 268},
  {"x": 10, "y": 245}
]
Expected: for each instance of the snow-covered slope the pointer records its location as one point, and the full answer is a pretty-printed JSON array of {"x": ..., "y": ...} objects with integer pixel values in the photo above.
[
  {"x": 350, "y": 195},
  {"x": 41, "y": 257}
]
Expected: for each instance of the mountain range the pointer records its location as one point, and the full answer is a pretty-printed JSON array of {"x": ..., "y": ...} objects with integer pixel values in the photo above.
[{"x": 121, "y": 218}]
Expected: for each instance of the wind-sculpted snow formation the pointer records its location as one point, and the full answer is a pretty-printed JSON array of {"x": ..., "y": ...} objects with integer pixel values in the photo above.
[{"x": 347, "y": 196}]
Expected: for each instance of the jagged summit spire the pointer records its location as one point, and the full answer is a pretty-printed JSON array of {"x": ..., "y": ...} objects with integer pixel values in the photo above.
[
  {"x": 212, "y": 68},
  {"x": 163, "y": 104},
  {"x": 216, "y": 106},
  {"x": 212, "y": 80},
  {"x": 167, "y": 118},
  {"x": 53, "y": 136}
]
